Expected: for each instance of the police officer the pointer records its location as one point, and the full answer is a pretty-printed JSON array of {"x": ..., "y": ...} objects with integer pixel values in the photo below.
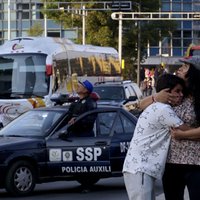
[{"x": 84, "y": 104}]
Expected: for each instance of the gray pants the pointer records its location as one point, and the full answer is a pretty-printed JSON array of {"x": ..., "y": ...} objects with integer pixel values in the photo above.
[{"x": 139, "y": 186}]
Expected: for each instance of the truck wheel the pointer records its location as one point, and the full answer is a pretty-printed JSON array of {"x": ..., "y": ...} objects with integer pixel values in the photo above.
[{"x": 20, "y": 179}]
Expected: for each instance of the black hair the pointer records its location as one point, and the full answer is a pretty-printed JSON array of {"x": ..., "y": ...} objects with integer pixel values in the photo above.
[
  {"x": 169, "y": 81},
  {"x": 193, "y": 87}
]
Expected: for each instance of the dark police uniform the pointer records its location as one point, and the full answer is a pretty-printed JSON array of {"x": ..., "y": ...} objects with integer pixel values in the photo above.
[{"x": 85, "y": 125}]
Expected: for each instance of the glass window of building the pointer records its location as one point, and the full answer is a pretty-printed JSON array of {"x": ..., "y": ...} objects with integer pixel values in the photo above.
[
  {"x": 1, "y": 8},
  {"x": 176, "y": 7},
  {"x": 177, "y": 52},
  {"x": 177, "y": 34},
  {"x": 187, "y": 25},
  {"x": 39, "y": 14},
  {"x": 26, "y": 24},
  {"x": 165, "y": 7},
  {"x": 176, "y": 42},
  {"x": 196, "y": 6},
  {"x": 187, "y": 34},
  {"x": 13, "y": 25},
  {"x": 23, "y": 11},
  {"x": 154, "y": 43},
  {"x": 154, "y": 51},
  {"x": 13, "y": 34},
  {"x": 186, "y": 42},
  {"x": 178, "y": 24},
  {"x": 187, "y": 7},
  {"x": 25, "y": 15},
  {"x": 25, "y": 6},
  {"x": 197, "y": 34},
  {"x": 35, "y": 10},
  {"x": 196, "y": 25}
]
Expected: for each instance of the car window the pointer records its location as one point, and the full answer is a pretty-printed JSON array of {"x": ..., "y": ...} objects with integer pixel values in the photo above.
[
  {"x": 49, "y": 121},
  {"x": 123, "y": 125},
  {"x": 106, "y": 121},
  {"x": 136, "y": 90},
  {"x": 128, "y": 125},
  {"x": 133, "y": 92},
  {"x": 32, "y": 123},
  {"x": 128, "y": 93},
  {"x": 118, "y": 128}
]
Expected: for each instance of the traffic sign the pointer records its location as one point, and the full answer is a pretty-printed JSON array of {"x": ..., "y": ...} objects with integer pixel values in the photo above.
[
  {"x": 119, "y": 5},
  {"x": 155, "y": 16}
]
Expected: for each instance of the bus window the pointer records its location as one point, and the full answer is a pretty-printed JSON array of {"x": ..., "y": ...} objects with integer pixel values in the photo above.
[{"x": 24, "y": 75}]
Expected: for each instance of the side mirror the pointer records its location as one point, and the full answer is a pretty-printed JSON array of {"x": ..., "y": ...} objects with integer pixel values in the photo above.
[
  {"x": 63, "y": 134},
  {"x": 132, "y": 98}
]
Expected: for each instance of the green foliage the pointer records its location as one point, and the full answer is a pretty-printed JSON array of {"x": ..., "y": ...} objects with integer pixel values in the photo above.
[
  {"x": 35, "y": 30},
  {"x": 102, "y": 30}
]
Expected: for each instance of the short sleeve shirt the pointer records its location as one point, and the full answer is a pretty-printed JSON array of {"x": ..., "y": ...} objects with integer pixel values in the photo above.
[{"x": 149, "y": 146}]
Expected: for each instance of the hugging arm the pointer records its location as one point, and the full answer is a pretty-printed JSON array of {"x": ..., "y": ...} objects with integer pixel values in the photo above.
[
  {"x": 192, "y": 134},
  {"x": 162, "y": 96}
]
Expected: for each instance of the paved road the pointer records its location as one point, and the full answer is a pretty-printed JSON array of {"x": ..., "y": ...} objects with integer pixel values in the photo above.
[{"x": 106, "y": 189}]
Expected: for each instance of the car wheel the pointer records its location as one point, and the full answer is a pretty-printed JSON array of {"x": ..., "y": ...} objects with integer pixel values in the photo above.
[
  {"x": 88, "y": 181},
  {"x": 20, "y": 179}
]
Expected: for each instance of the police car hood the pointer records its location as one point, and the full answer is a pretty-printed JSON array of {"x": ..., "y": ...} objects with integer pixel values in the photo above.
[{"x": 16, "y": 143}]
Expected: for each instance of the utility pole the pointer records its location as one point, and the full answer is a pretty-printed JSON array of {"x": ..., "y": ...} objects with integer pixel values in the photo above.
[
  {"x": 9, "y": 20},
  {"x": 138, "y": 47},
  {"x": 45, "y": 20},
  {"x": 149, "y": 16},
  {"x": 120, "y": 40},
  {"x": 19, "y": 24},
  {"x": 83, "y": 24}
]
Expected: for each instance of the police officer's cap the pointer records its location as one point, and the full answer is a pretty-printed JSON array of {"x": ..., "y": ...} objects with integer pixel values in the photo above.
[{"x": 88, "y": 85}]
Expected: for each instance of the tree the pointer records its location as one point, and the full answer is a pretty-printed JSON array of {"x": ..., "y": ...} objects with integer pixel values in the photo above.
[
  {"x": 35, "y": 30},
  {"x": 102, "y": 30}
]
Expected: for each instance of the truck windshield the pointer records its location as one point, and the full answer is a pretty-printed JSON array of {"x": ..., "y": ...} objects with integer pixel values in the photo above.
[{"x": 23, "y": 76}]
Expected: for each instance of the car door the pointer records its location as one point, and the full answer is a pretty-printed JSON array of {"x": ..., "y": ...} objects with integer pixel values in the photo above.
[
  {"x": 79, "y": 155},
  {"x": 122, "y": 133}
]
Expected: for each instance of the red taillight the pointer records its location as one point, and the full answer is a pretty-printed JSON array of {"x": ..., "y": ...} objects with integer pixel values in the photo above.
[{"x": 48, "y": 70}]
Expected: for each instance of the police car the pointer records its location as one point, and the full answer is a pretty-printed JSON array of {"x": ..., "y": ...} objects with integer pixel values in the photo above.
[{"x": 39, "y": 147}]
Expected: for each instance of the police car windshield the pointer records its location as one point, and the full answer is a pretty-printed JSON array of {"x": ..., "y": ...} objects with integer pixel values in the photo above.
[
  {"x": 24, "y": 74},
  {"x": 34, "y": 123}
]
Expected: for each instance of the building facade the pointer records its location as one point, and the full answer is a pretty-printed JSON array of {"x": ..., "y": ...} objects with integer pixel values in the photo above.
[
  {"x": 173, "y": 47},
  {"x": 188, "y": 32},
  {"x": 17, "y": 16}
]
